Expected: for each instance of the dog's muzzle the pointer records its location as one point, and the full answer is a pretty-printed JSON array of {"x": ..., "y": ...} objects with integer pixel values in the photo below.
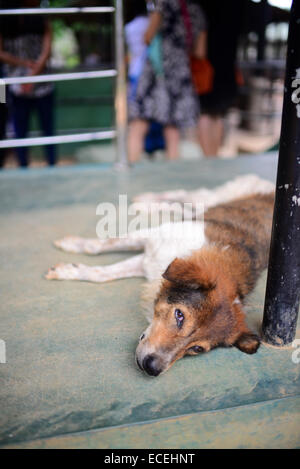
[
  {"x": 149, "y": 358},
  {"x": 150, "y": 364}
]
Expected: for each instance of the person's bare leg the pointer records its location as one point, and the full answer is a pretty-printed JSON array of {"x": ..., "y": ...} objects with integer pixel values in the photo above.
[
  {"x": 132, "y": 267},
  {"x": 210, "y": 131},
  {"x": 172, "y": 138},
  {"x": 136, "y": 134},
  {"x": 97, "y": 246}
]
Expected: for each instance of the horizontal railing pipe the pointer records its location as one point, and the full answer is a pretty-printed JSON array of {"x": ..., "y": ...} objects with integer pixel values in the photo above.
[
  {"x": 55, "y": 77},
  {"x": 56, "y": 11},
  {"x": 58, "y": 139}
]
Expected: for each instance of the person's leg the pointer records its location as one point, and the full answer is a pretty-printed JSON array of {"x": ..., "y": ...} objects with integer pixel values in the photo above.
[
  {"x": 210, "y": 131},
  {"x": 21, "y": 109},
  {"x": 136, "y": 135},
  {"x": 45, "y": 108},
  {"x": 172, "y": 138}
]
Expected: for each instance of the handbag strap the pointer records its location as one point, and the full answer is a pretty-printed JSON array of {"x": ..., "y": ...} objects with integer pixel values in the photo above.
[{"x": 187, "y": 23}]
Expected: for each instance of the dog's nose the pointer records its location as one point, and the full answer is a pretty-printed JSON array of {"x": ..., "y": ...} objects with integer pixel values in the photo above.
[{"x": 150, "y": 365}]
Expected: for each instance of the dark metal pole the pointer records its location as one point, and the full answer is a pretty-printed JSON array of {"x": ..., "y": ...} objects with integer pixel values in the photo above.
[
  {"x": 283, "y": 285},
  {"x": 265, "y": 10}
]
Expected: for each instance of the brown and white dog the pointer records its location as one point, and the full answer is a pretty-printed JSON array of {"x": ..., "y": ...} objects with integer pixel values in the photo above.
[{"x": 197, "y": 284}]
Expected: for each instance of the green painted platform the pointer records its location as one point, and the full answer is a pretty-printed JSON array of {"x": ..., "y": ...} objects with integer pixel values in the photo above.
[{"x": 70, "y": 379}]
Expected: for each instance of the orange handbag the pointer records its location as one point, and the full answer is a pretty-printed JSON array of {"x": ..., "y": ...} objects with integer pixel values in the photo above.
[
  {"x": 202, "y": 75},
  {"x": 201, "y": 69}
]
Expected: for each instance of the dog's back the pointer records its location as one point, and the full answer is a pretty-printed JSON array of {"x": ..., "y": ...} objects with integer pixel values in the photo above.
[{"x": 244, "y": 225}]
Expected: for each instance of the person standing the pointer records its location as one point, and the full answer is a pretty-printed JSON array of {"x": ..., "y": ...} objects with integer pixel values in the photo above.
[
  {"x": 224, "y": 20},
  {"x": 165, "y": 92},
  {"x": 135, "y": 29},
  {"x": 25, "y": 47}
]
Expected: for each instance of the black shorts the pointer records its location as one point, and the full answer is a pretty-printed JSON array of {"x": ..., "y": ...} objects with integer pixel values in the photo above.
[{"x": 216, "y": 105}]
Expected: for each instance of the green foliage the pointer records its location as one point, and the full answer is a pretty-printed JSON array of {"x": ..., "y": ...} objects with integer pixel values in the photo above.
[
  {"x": 58, "y": 27},
  {"x": 59, "y": 3}
]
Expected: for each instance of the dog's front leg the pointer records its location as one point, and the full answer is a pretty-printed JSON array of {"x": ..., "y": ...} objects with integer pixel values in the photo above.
[
  {"x": 132, "y": 267},
  {"x": 79, "y": 245}
]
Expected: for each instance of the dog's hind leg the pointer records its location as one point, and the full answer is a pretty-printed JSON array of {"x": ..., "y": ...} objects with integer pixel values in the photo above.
[
  {"x": 97, "y": 246},
  {"x": 240, "y": 187},
  {"x": 132, "y": 267}
]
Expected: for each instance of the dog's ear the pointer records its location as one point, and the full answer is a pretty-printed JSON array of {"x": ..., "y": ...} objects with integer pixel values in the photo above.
[
  {"x": 189, "y": 273},
  {"x": 248, "y": 342}
]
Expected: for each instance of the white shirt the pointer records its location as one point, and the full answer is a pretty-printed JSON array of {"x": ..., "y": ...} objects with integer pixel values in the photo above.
[{"x": 134, "y": 33}]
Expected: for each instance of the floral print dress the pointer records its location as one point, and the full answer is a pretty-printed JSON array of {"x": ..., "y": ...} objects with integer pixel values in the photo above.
[{"x": 169, "y": 98}]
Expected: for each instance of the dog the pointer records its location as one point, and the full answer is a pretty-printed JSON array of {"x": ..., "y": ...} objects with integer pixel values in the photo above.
[{"x": 197, "y": 283}]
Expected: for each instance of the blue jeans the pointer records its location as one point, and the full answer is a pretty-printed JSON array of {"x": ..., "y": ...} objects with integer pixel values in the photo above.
[{"x": 21, "y": 109}]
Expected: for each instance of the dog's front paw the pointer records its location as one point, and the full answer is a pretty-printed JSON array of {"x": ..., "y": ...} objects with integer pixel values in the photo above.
[
  {"x": 248, "y": 342},
  {"x": 64, "y": 272}
]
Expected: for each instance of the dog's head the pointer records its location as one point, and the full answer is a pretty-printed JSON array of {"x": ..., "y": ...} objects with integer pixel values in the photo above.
[{"x": 197, "y": 309}]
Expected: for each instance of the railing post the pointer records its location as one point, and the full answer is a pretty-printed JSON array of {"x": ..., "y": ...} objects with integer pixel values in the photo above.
[
  {"x": 265, "y": 9},
  {"x": 121, "y": 93},
  {"x": 283, "y": 284}
]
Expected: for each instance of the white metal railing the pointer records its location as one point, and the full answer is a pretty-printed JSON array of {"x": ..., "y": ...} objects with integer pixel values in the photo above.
[
  {"x": 120, "y": 99},
  {"x": 56, "y": 11},
  {"x": 59, "y": 77},
  {"x": 58, "y": 139}
]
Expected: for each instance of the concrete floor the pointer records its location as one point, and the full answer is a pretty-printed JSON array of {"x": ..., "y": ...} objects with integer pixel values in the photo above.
[{"x": 70, "y": 379}]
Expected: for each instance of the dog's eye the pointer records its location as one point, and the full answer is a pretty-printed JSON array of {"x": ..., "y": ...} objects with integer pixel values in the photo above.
[
  {"x": 179, "y": 316},
  {"x": 197, "y": 349},
  {"x": 142, "y": 337}
]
